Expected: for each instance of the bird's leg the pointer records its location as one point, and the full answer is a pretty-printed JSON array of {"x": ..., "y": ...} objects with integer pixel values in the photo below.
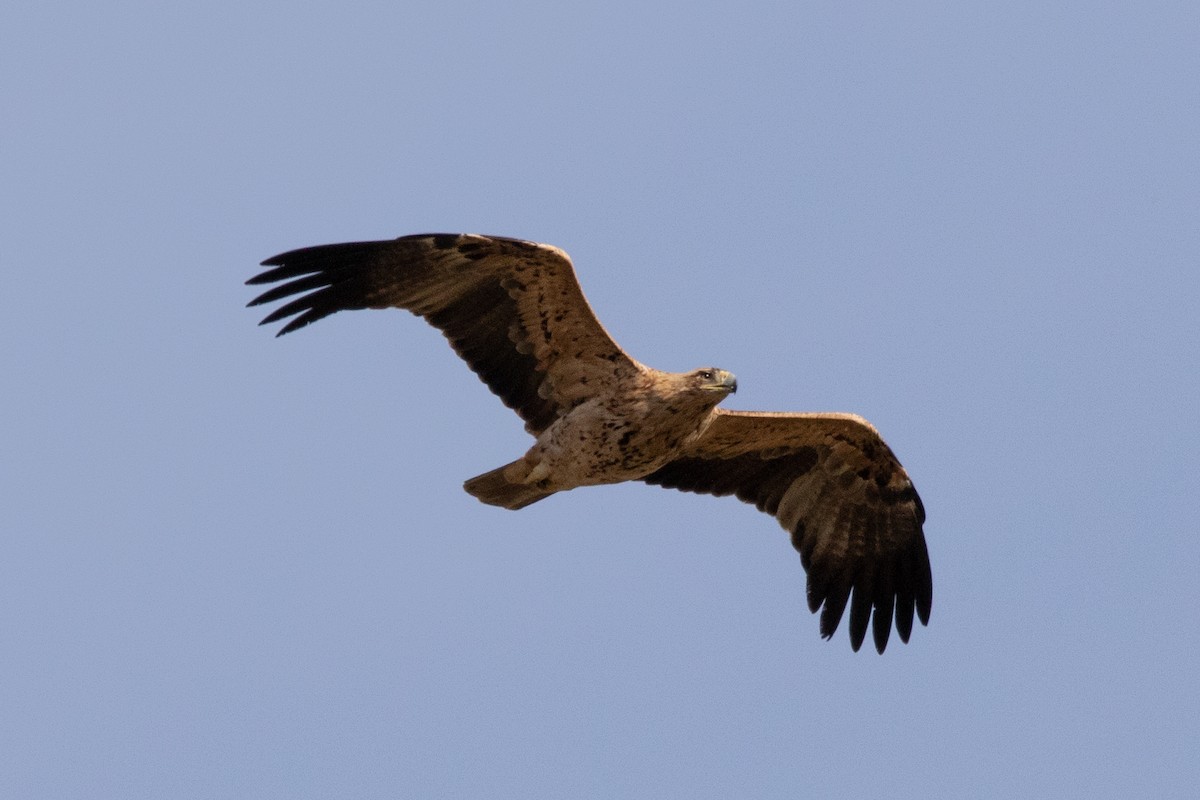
[{"x": 539, "y": 476}]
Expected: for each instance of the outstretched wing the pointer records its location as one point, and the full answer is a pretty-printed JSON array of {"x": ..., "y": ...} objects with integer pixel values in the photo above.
[
  {"x": 512, "y": 309},
  {"x": 831, "y": 481}
]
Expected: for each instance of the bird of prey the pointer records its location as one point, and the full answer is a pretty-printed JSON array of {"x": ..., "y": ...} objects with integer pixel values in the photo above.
[{"x": 514, "y": 311}]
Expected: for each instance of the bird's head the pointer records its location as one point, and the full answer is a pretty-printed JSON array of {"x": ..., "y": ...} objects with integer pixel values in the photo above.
[{"x": 711, "y": 379}]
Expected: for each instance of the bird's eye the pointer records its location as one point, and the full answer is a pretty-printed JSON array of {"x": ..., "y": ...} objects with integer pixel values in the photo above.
[{"x": 707, "y": 374}]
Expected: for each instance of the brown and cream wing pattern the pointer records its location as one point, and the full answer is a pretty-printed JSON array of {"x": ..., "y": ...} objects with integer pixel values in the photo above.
[
  {"x": 512, "y": 309},
  {"x": 850, "y": 507}
]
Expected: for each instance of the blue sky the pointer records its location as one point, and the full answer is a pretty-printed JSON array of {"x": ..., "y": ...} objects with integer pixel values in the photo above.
[{"x": 238, "y": 567}]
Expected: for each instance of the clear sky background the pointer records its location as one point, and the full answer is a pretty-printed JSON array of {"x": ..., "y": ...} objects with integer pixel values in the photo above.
[{"x": 241, "y": 567}]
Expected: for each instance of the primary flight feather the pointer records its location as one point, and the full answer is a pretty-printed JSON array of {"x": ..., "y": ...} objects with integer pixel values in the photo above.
[{"x": 514, "y": 311}]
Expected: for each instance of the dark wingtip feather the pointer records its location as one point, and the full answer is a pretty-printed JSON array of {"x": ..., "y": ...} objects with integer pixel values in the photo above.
[
  {"x": 835, "y": 607},
  {"x": 304, "y": 284},
  {"x": 816, "y": 592},
  {"x": 307, "y": 318},
  {"x": 924, "y": 593},
  {"x": 904, "y": 616},
  {"x": 923, "y": 612},
  {"x": 282, "y": 269},
  {"x": 882, "y": 621},
  {"x": 328, "y": 278},
  {"x": 860, "y": 616}
]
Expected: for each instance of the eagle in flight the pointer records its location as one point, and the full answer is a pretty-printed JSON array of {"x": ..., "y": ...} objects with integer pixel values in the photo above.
[{"x": 514, "y": 311}]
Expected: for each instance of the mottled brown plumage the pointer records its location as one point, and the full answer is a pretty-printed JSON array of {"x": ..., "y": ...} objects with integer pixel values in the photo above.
[{"x": 514, "y": 311}]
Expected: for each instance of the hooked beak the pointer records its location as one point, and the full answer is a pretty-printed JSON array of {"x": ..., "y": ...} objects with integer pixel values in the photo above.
[{"x": 729, "y": 381}]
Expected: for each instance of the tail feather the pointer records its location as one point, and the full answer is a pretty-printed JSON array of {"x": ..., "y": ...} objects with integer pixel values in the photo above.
[{"x": 496, "y": 490}]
